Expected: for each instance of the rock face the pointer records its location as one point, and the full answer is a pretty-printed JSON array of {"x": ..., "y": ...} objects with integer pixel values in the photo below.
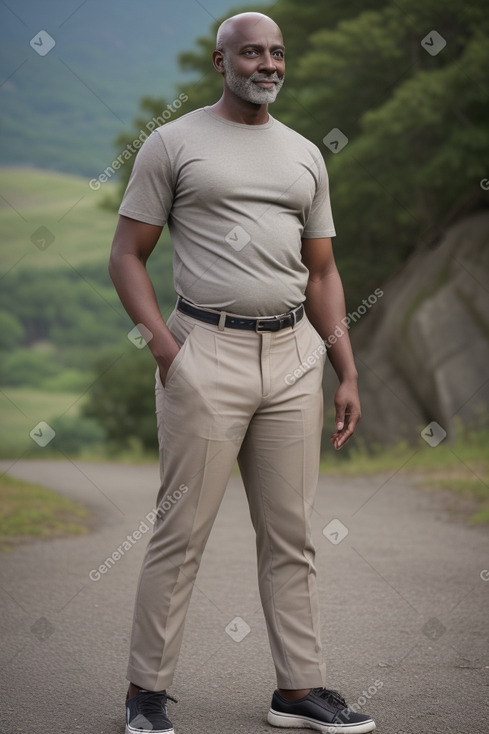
[{"x": 423, "y": 348}]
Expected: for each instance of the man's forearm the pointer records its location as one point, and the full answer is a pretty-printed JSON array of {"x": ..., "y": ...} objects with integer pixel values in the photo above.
[
  {"x": 138, "y": 297},
  {"x": 325, "y": 307}
]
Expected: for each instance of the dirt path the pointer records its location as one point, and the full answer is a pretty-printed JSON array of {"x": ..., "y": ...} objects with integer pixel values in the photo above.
[{"x": 403, "y": 595}]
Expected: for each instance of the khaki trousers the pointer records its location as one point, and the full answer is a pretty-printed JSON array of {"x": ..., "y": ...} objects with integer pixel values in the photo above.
[{"x": 257, "y": 398}]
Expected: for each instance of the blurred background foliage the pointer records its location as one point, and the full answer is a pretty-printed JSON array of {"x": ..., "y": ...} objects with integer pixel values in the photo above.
[{"x": 418, "y": 148}]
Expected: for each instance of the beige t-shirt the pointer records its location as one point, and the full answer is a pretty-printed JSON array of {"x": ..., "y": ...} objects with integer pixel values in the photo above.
[{"x": 237, "y": 200}]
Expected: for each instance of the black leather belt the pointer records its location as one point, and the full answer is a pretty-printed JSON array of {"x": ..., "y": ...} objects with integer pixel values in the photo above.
[{"x": 271, "y": 323}]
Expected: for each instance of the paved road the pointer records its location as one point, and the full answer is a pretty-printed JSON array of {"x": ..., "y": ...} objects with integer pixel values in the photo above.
[{"x": 404, "y": 612}]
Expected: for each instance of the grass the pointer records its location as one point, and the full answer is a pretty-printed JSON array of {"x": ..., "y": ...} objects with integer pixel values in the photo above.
[
  {"x": 66, "y": 205},
  {"x": 22, "y": 409},
  {"x": 460, "y": 466},
  {"x": 28, "y": 511},
  {"x": 475, "y": 489}
]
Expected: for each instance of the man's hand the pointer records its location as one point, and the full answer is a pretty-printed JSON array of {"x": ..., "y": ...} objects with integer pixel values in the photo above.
[
  {"x": 348, "y": 413},
  {"x": 164, "y": 364}
]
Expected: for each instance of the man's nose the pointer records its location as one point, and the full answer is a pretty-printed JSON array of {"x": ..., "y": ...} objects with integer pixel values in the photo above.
[{"x": 268, "y": 63}]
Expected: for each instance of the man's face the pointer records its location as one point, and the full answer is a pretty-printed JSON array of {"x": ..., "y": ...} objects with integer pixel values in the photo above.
[
  {"x": 258, "y": 88},
  {"x": 254, "y": 64}
]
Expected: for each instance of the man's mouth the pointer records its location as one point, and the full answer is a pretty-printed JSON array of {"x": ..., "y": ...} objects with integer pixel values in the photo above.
[{"x": 265, "y": 84}]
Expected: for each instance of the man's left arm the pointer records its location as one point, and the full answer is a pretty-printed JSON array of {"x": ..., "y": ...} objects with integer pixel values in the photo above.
[{"x": 325, "y": 308}]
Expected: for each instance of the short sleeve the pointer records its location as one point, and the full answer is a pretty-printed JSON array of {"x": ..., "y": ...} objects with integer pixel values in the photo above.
[
  {"x": 149, "y": 193},
  {"x": 320, "y": 220}
]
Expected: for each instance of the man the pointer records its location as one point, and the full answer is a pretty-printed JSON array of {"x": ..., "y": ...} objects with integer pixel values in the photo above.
[{"x": 239, "y": 367}]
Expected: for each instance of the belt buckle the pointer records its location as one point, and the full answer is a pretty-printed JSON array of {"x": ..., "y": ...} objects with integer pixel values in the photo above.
[
  {"x": 271, "y": 320},
  {"x": 257, "y": 325},
  {"x": 287, "y": 319}
]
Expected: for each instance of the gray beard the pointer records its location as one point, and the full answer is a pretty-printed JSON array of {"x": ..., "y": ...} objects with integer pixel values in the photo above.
[{"x": 245, "y": 87}]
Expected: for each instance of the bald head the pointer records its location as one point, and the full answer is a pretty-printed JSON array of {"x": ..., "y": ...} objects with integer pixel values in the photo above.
[
  {"x": 243, "y": 27},
  {"x": 250, "y": 55}
]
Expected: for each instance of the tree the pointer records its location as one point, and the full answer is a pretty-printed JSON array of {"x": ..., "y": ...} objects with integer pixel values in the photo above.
[
  {"x": 416, "y": 128},
  {"x": 415, "y": 121},
  {"x": 121, "y": 399},
  {"x": 11, "y": 330}
]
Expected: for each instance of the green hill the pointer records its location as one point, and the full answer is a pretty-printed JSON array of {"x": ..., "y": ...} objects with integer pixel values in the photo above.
[
  {"x": 59, "y": 312},
  {"x": 69, "y": 209},
  {"x": 63, "y": 110},
  {"x": 63, "y": 204}
]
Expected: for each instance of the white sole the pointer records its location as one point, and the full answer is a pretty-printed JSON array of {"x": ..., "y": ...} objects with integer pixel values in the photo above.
[
  {"x": 288, "y": 721},
  {"x": 129, "y": 730}
]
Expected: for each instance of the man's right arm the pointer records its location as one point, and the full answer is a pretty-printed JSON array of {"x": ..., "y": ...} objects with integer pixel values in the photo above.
[{"x": 132, "y": 245}]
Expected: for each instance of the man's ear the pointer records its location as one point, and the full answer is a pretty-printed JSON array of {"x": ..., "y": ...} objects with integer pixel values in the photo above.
[{"x": 217, "y": 60}]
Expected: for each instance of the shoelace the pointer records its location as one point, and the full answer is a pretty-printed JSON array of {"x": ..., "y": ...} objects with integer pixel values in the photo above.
[
  {"x": 331, "y": 696},
  {"x": 152, "y": 703}
]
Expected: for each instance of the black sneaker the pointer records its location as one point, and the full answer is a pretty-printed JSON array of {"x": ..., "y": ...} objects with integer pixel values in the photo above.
[
  {"x": 325, "y": 711},
  {"x": 146, "y": 712}
]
